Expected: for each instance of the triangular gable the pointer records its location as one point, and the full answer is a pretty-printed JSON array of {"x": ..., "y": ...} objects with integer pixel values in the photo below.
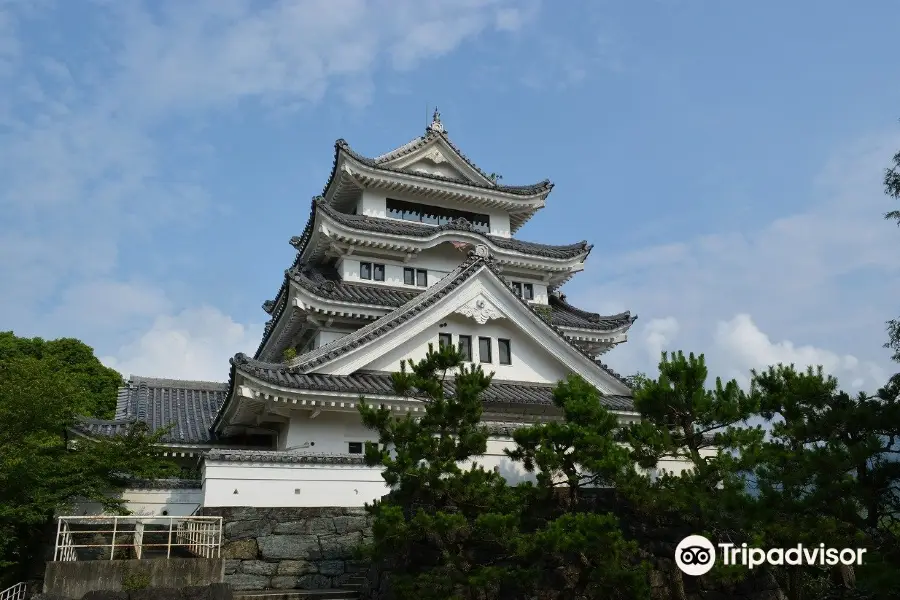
[
  {"x": 474, "y": 291},
  {"x": 436, "y": 157}
]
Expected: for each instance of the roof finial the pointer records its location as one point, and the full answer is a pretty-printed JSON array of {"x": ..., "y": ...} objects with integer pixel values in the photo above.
[{"x": 436, "y": 124}]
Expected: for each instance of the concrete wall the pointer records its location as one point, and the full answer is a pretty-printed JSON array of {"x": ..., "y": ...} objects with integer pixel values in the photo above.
[
  {"x": 76, "y": 578},
  {"x": 180, "y": 502},
  {"x": 291, "y": 548}
]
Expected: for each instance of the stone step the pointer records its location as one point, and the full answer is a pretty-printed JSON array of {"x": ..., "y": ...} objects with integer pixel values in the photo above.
[{"x": 332, "y": 594}]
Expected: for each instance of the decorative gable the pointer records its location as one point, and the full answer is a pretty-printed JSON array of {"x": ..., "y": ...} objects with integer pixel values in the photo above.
[
  {"x": 472, "y": 302},
  {"x": 438, "y": 158}
]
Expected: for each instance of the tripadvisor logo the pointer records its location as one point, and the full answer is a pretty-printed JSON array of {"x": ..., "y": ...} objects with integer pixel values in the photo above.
[{"x": 695, "y": 555}]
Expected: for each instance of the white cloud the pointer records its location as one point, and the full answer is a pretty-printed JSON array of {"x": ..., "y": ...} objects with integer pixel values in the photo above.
[
  {"x": 194, "y": 344},
  {"x": 824, "y": 278},
  {"x": 86, "y": 165},
  {"x": 659, "y": 335},
  {"x": 744, "y": 344}
]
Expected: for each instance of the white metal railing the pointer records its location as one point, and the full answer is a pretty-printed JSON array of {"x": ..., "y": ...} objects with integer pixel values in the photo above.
[
  {"x": 136, "y": 537},
  {"x": 15, "y": 592}
]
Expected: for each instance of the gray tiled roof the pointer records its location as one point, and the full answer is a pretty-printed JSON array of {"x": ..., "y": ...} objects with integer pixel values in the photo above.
[
  {"x": 280, "y": 456},
  {"x": 414, "y": 229},
  {"x": 381, "y": 384},
  {"x": 188, "y": 406},
  {"x": 563, "y": 314},
  {"x": 325, "y": 282},
  {"x": 521, "y": 190}
]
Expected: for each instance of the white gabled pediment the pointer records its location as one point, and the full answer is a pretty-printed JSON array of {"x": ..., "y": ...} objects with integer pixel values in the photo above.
[
  {"x": 481, "y": 306},
  {"x": 438, "y": 158}
]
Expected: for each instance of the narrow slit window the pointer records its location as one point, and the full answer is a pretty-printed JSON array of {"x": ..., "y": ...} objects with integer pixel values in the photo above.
[
  {"x": 445, "y": 339},
  {"x": 409, "y": 276},
  {"x": 365, "y": 270},
  {"x": 422, "y": 278},
  {"x": 505, "y": 355},
  {"x": 465, "y": 347},
  {"x": 378, "y": 272},
  {"x": 484, "y": 349}
]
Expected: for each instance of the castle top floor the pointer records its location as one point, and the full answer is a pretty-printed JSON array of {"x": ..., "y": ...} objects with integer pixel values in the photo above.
[{"x": 429, "y": 180}]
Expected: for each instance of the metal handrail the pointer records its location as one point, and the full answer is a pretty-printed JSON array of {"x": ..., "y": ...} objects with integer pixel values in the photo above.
[
  {"x": 14, "y": 592},
  {"x": 201, "y": 536}
]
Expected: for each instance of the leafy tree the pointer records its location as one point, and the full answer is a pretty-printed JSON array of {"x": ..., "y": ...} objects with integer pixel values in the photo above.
[
  {"x": 829, "y": 471},
  {"x": 40, "y": 475},
  {"x": 460, "y": 531},
  {"x": 637, "y": 381},
  {"x": 94, "y": 385}
]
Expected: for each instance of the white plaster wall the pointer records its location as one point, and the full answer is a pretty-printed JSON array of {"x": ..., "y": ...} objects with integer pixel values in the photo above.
[
  {"x": 530, "y": 362},
  {"x": 438, "y": 261},
  {"x": 373, "y": 203},
  {"x": 286, "y": 485},
  {"x": 174, "y": 502},
  {"x": 331, "y": 432}
]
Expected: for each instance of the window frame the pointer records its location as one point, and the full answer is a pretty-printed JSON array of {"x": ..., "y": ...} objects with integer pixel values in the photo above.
[
  {"x": 365, "y": 264},
  {"x": 467, "y": 356},
  {"x": 447, "y": 337},
  {"x": 424, "y": 274},
  {"x": 517, "y": 288},
  {"x": 409, "y": 276},
  {"x": 500, "y": 343},
  {"x": 375, "y": 267},
  {"x": 528, "y": 291},
  {"x": 490, "y": 350},
  {"x": 350, "y": 448}
]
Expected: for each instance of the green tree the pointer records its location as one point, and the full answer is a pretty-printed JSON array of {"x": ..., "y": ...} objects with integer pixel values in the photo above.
[
  {"x": 40, "y": 475},
  {"x": 461, "y": 532},
  {"x": 95, "y": 384},
  {"x": 829, "y": 471}
]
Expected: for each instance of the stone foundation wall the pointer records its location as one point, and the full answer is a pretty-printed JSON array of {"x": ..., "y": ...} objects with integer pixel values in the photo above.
[{"x": 291, "y": 548}]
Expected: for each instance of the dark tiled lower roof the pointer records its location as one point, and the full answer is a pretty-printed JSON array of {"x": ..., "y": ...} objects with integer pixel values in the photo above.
[
  {"x": 165, "y": 484},
  {"x": 381, "y": 384},
  {"x": 189, "y": 407},
  {"x": 414, "y": 229}
]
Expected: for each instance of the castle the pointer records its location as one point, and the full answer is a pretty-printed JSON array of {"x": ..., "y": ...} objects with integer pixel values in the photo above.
[{"x": 411, "y": 248}]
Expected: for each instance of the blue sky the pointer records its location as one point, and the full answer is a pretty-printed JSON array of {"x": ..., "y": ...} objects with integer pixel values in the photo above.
[{"x": 725, "y": 159}]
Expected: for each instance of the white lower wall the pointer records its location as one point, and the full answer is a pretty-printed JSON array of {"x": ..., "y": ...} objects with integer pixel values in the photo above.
[
  {"x": 151, "y": 502},
  {"x": 315, "y": 485},
  {"x": 290, "y": 485}
]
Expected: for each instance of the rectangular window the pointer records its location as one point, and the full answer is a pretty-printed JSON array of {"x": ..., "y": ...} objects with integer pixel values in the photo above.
[
  {"x": 365, "y": 270},
  {"x": 517, "y": 288},
  {"x": 378, "y": 272},
  {"x": 445, "y": 339},
  {"x": 409, "y": 276},
  {"x": 484, "y": 349},
  {"x": 528, "y": 291},
  {"x": 422, "y": 278},
  {"x": 503, "y": 347},
  {"x": 465, "y": 347},
  {"x": 355, "y": 447}
]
